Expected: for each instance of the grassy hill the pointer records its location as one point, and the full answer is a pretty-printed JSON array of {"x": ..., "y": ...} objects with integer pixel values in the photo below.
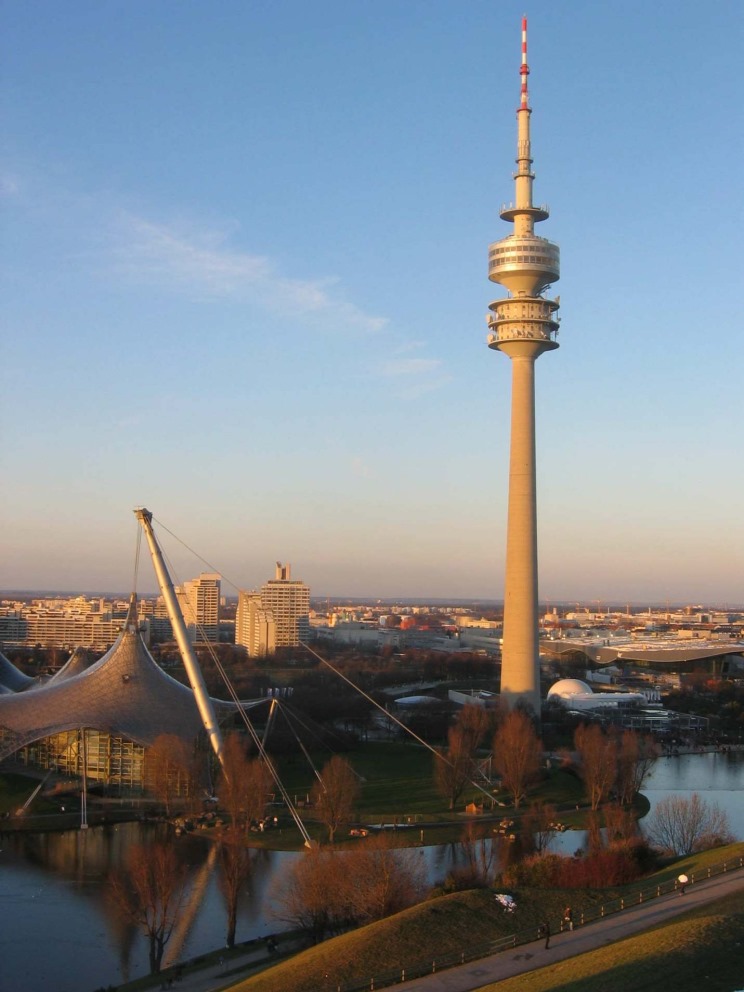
[
  {"x": 704, "y": 949},
  {"x": 435, "y": 929}
]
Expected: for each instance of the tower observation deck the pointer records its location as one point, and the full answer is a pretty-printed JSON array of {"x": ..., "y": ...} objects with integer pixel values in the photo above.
[
  {"x": 523, "y": 326},
  {"x": 523, "y": 263}
]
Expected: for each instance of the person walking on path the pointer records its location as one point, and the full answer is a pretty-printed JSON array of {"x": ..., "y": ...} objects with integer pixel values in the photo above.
[
  {"x": 568, "y": 918},
  {"x": 682, "y": 882},
  {"x": 546, "y": 934}
]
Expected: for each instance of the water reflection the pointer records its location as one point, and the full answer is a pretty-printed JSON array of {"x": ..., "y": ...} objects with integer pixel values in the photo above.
[
  {"x": 54, "y": 885},
  {"x": 53, "y": 896},
  {"x": 717, "y": 776}
]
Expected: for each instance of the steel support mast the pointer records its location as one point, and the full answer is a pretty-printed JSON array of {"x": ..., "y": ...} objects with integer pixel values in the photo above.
[{"x": 191, "y": 663}]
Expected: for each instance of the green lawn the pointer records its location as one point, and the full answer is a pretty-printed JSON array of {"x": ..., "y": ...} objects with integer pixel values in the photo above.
[
  {"x": 397, "y": 785},
  {"x": 397, "y": 778},
  {"x": 398, "y": 782}
]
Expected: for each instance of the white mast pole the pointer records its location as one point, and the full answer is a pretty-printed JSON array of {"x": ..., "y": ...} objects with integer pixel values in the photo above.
[{"x": 203, "y": 702}]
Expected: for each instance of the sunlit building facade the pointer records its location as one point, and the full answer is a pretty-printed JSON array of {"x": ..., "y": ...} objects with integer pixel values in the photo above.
[
  {"x": 199, "y": 600},
  {"x": 288, "y": 600},
  {"x": 255, "y": 627}
]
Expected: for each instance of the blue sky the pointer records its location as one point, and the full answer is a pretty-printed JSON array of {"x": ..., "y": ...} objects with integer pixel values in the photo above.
[{"x": 244, "y": 263}]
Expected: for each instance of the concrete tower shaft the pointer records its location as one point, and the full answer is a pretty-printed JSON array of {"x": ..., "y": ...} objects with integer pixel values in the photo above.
[{"x": 523, "y": 326}]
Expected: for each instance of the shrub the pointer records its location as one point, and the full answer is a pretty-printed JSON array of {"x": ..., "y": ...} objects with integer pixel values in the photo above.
[{"x": 616, "y": 865}]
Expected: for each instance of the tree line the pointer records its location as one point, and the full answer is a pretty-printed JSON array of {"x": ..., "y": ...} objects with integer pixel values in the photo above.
[{"x": 325, "y": 891}]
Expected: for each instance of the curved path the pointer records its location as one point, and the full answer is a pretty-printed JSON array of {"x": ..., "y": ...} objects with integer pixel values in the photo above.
[
  {"x": 505, "y": 964},
  {"x": 529, "y": 957}
]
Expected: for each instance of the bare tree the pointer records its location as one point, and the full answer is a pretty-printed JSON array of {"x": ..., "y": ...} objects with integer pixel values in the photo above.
[
  {"x": 481, "y": 856},
  {"x": 170, "y": 769},
  {"x": 516, "y": 754},
  {"x": 334, "y": 795},
  {"x": 594, "y": 839},
  {"x": 235, "y": 869},
  {"x": 597, "y": 762},
  {"x": 474, "y": 723},
  {"x": 244, "y": 786},
  {"x": 311, "y": 894},
  {"x": 383, "y": 880},
  {"x": 621, "y": 824},
  {"x": 684, "y": 824},
  {"x": 150, "y": 893},
  {"x": 455, "y": 766},
  {"x": 636, "y": 756},
  {"x": 232, "y": 786},
  {"x": 539, "y": 822},
  {"x": 324, "y": 892}
]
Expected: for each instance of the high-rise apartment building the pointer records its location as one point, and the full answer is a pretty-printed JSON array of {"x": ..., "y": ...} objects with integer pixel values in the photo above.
[
  {"x": 255, "y": 628},
  {"x": 199, "y": 600},
  {"x": 289, "y": 601}
]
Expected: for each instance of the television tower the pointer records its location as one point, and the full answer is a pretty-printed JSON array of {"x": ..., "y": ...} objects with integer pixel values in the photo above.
[{"x": 523, "y": 326}]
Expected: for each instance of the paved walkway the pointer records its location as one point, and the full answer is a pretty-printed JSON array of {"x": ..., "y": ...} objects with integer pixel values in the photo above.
[
  {"x": 505, "y": 964},
  {"x": 528, "y": 957},
  {"x": 233, "y": 969}
]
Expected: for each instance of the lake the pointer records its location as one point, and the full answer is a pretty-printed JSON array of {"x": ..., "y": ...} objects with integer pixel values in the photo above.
[{"x": 61, "y": 932}]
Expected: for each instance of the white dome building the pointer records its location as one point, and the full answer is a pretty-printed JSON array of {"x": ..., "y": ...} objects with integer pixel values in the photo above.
[
  {"x": 569, "y": 687},
  {"x": 577, "y": 695}
]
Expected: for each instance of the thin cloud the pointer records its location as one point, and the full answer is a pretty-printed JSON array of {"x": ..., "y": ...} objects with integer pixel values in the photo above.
[
  {"x": 361, "y": 469},
  {"x": 202, "y": 263},
  {"x": 414, "y": 377},
  {"x": 412, "y": 391},
  {"x": 9, "y": 186},
  {"x": 410, "y": 366},
  {"x": 406, "y": 347}
]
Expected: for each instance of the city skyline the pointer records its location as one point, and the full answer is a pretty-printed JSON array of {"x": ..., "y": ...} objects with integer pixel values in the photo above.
[
  {"x": 343, "y": 600},
  {"x": 245, "y": 286}
]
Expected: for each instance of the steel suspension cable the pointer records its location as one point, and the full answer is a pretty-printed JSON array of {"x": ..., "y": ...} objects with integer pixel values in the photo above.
[
  {"x": 438, "y": 754},
  {"x": 197, "y": 555},
  {"x": 389, "y": 715}
]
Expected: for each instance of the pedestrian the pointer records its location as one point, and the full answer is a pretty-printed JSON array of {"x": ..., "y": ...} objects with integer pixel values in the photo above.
[
  {"x": 568, "y": 917},
  {"x": 682, "y": 882},
  {"x": 546, "y": 934}
]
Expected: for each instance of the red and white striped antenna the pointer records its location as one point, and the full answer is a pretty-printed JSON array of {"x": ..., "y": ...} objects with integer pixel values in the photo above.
[{"x": 524, "y": 69}]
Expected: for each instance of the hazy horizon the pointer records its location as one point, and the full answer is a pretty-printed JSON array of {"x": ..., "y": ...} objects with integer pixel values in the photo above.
[{"x": 593, "y": 605}]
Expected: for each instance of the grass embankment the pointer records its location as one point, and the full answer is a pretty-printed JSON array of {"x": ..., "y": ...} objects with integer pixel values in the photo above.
[
  {"x": 704, "y": 949},
  {"x": 440, "y": 927}
]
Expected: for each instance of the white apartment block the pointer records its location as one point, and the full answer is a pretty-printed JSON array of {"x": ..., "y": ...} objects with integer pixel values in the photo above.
[
  {"x": 255, "y": 628},
  {"x": 289, "y": 602},
  {"x": 199, "y": 600},
  {"x": 59, "y": 623}
]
